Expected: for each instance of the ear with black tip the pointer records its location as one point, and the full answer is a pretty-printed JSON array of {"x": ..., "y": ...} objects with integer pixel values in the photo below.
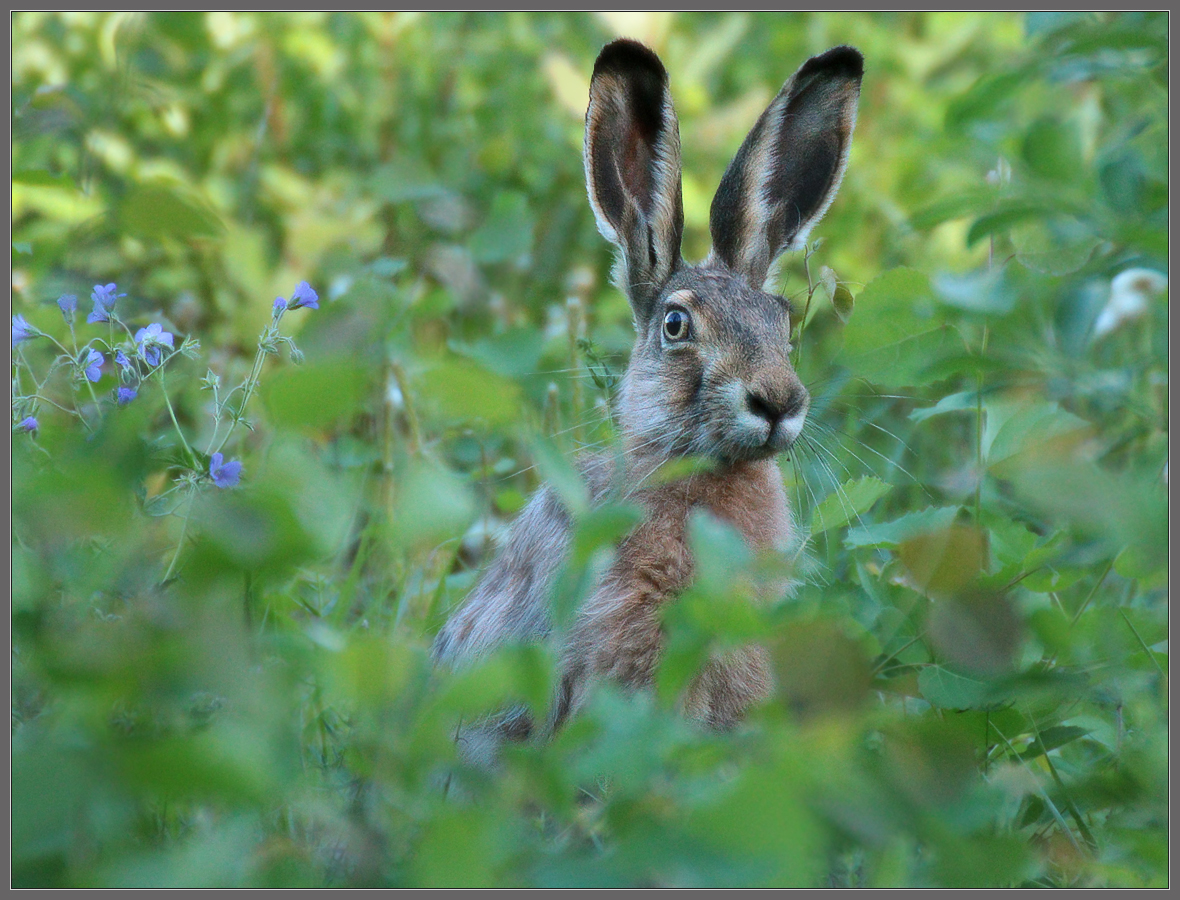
[
  {"x": 632, "y": 159},
  {"x": 787, "y": 171}
]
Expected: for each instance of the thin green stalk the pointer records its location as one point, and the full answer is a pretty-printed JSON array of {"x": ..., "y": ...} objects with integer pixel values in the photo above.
[
  {"x": 1044, "y": 794},
  {"x": 806, "y": 306},
  {"x": 1093, "y": 591},
  {"x": 1069, "y": 804},
  {"x": 399, "y": 376},
  {"x": 979, "y": 470},
  {"x": 172, "y": 413},
  {"x": 1142, "y": 643},
  {"x": 247, "y": 391},
  {"x": 183, "y": 531}
]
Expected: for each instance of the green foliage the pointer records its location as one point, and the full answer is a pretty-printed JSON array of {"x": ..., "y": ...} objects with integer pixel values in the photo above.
[{"x": 231, "y": 687}]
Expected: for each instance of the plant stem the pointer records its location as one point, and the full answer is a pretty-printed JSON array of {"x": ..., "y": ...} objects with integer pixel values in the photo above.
[
  {"x": 1142, "y": 643},
  {"x": 247, "y": 390},
  {"x": 172, "y": 413},
  {"x": 399, "y": 376},
  {"x": 1093, "y": 591},
  {"x": 183, "y": 531}
]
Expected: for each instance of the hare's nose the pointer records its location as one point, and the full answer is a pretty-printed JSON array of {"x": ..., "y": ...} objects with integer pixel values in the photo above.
[{"x": 775, "y": 409}]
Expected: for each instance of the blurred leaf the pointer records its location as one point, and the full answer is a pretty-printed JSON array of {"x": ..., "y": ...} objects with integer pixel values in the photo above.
[
  {"x": 457, "y": 389},
  {"x": 910, "y": 525},
  {"x": 842, "y": 303},
  {"x": 885, "y": 310},
  {"x": 513, "y": 353},
  {"x": 1054, "y": 245},
  {"x": 603, "y": 527},
  {"x": 1052, "y": 738},
  {"x": 987, "y": 96},
  {"x": 44, "y": 178},
  {"x": 508, "y": 231},
  {"x": 982, "y": 291},
  {"x": 159, "y": 209},
  {"x": 847, "y": 502},
  {"x": 943, "y": 561},
  {"x": 963, "y": 401},
  {"x": 1052, "y": 149},
  {"x": 979, "y": 631},
  {"x": 432, "y": 505},
  {"x": 950, "y": 690},
  {"x": 315, "y": 395},
  {"x": 820, "y": 669}
]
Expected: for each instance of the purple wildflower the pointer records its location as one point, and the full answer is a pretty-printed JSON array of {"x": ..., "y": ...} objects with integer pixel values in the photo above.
[
  {"x": 22, "y": 330},
  {"x": 224, "y": 475},
  {"x": 68, "y": 304},
  {"x": 122, "y": 361},
  {"x": 104, "y": 298},
  {"x": 126, "y": 395},
  {"x": 91, "y": 365},
  {"x": 27, "y": 424},
  {"x": 150, "y": 340},
  {"x": 280, "y": 305},
  {"x": 303, "y": 295}
]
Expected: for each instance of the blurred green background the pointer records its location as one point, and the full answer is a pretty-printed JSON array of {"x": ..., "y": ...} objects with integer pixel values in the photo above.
[{"x": 972, "y": 674}]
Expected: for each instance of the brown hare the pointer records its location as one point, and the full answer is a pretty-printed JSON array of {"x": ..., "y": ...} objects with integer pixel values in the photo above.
[{"x": 709, "y": 376}]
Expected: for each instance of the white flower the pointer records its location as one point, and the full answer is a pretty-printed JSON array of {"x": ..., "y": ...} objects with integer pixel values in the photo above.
[{"x": 1130, "y": 292}]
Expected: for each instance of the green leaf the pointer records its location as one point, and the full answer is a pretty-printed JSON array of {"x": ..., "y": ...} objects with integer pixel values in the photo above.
[
  {"x": 1014, "y": 428},
  {"x": 1055, "y": 244},
  {"x": 964, "y": 401},
  {"x": 43, "y": 178},
  {"x": 987, "y": 96},
  {"x": 949, "y": 690},
  {"x": 159, "y": 209},
  {"x": 1052, "y": 738},
  {"x": 455, "y": 389},
  {"x": 1003, "y": 219},
  {"x": 1053, "y": 150},
  {"x": 508, "y": 231},
  {"x": 842, "y": 303},
  {"x": 956, "y": 206},
  {"x": 982, "y": 291},
  {"x": 892, "y": 534},
  {"x": 885, "y": 310},
  {"x": 603, "y": 527},
  {"x": 847, "y": 502},
  {"x": 315, "y": 395},
  {"x": 513, "y": 353}
]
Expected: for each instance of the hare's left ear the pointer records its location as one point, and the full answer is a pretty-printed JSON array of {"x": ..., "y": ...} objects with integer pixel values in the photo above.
[
  {"x": 632, "y": 159},
  {"x": 788, "y": 169}
]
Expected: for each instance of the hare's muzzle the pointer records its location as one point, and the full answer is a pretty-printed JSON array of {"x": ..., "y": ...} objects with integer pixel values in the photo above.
[{"x": 782, "y": 411}]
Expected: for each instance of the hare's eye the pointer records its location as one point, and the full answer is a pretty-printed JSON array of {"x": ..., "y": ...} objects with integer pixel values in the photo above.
[{"x": 676, "y": 325}]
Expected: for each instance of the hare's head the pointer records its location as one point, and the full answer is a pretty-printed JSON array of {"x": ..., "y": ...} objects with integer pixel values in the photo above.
[{"x": 710, "y": 373}]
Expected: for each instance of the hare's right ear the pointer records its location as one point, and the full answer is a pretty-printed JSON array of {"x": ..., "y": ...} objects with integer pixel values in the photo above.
[
  {"x": 632, "y": 159},
  {"x": 786, "y": 172}
]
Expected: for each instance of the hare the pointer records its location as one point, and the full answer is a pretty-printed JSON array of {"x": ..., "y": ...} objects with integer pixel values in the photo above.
[{"x": 709, "y": 376}]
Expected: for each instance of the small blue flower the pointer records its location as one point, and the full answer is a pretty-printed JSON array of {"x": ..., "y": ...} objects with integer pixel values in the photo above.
[
  {"x": 91, "y": 365},
  {"x": 280, "y": 305},
  {"x": 22, "y": 330},
  {"x": 150, "y": 340},
  {"x": 104, "y": 298},
  {"x": 303, "y": 295},
  {"x": 68, "y": 304},
  {"x": 224, "y": 475},
  {"x": 126, "y": 395},
  {"x": 27, "y": 424},
  {"x": 122, "y": 361}
]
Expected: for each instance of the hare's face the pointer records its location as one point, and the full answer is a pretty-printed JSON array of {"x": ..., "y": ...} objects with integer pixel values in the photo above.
[{"x": 711, "y": 373}]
